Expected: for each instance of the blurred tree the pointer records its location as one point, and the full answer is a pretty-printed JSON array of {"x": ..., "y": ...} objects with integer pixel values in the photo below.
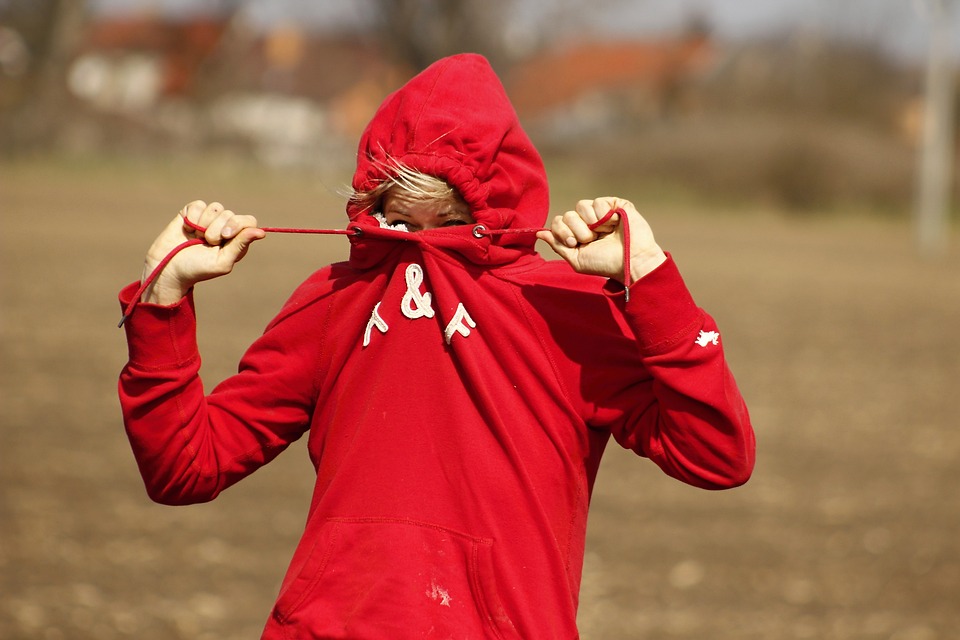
[
  {"x": 51, "y": 31},
  {"x": 418, "y": 32}
]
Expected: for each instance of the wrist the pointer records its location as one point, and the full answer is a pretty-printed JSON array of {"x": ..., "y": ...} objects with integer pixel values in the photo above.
[
  {"x": 645, "y": 262},
  {"x": 164, "y": 290},
  {"x": 156, "y": 294}
]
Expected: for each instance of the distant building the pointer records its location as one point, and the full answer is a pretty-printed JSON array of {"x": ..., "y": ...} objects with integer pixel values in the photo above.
[
  {"x": 287, "y": 91},
  {"x": 591, "y": 83},
  {"x": 132, "y": 63}
]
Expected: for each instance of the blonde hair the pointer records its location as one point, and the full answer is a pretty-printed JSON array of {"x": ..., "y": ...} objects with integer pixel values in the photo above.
[{"x": 416, "y": 184}]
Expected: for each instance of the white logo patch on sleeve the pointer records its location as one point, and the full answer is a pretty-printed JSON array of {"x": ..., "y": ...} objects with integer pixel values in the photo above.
[{"x": 708, "y": 337}]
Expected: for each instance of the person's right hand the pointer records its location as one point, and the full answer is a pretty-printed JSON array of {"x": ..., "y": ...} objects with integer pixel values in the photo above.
[{"x": 226, "y": 240}]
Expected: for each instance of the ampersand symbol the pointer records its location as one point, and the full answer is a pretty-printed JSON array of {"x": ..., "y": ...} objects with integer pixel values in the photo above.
[{"x": 415, "y": 304}]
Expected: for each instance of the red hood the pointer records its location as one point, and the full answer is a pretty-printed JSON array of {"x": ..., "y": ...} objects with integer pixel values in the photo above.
[{"x": 455, "y": 121}]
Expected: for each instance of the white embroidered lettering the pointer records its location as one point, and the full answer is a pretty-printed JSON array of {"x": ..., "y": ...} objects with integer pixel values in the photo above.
[
  {"x": 461, "y": 323},
  {"x": 375, "y": 321},
  {"x": 415, "y": 304}
]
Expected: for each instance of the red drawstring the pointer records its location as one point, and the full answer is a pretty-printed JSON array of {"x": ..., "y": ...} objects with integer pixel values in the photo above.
[
  {"x": 625, "y": 223},
  {"x": 195, "y": 241},
  {"x": 478, "y": 231}
]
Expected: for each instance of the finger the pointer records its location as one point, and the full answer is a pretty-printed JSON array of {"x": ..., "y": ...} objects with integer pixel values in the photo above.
[
  {"x": 561, "y": 233},
  {"x": 578, "y": 222},
  {"x": 600, "y": 208},
  {"x": 236, "y": 224},
  {"x": 191, "y": 213},
  {"x": 226, "y": 225},
  {"x": 553, "y": 241},
  {"x": 587, "y": 210},
  {"x": 212, "y": 219},
  {"x": 216, "y": 227},
  {"x": 568, "y": 254}
]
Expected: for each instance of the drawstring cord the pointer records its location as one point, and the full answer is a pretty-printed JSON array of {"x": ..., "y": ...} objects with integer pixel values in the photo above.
[
  {"x": 195, "y": 241},
  {"x": 479, "y": 231}
]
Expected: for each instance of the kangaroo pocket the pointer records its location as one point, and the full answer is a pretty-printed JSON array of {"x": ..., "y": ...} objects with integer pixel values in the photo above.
[{"x": 379, "y": 578}]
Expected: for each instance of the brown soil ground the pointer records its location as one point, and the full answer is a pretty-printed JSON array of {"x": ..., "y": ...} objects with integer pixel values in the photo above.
[{"x": 845, "y": 344}]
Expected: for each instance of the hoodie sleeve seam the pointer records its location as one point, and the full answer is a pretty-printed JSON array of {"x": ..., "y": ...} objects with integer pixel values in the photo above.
[{"x": 664, "y": 345}]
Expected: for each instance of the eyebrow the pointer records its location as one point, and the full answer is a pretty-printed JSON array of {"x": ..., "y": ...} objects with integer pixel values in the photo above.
[{"x": 443, "y": 214}]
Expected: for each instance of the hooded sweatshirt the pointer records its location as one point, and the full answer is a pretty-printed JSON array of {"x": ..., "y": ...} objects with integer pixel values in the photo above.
[{"x": 458, "y": 391}]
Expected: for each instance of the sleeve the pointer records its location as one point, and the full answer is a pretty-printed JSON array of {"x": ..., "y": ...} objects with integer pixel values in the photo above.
[
  {"x": 190, "y": 446},
  {"x": 685, "y": 412}
]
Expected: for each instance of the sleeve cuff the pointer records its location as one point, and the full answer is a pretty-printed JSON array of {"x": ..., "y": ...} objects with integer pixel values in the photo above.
[
  {"x": 160, "y": 336},
  {"x": 661, "y": 309}
]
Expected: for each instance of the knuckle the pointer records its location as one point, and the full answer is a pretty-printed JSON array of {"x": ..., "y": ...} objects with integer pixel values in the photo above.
[{"x": 195, "y": 206}]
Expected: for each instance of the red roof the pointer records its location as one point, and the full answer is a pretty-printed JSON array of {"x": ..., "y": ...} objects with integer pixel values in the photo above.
[
  {"x": 182, "y": 45},
  {"x": 556, "y": 77}
]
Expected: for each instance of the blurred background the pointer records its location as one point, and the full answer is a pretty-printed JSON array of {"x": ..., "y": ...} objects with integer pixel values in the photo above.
[
  {"x": 805, "y": 104},
  {"x": 797, "y": 157}
]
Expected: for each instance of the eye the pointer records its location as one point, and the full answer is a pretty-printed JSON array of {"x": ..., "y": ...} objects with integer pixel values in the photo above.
[
  {"x": 402, "y": 225},
  {"x": 454, "y": 223}
]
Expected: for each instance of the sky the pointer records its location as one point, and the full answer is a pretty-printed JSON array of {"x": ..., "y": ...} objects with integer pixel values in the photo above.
[{"x": 900, "y": 26}]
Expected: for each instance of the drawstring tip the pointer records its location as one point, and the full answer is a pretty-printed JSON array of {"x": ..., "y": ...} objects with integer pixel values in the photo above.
[
  {"x": 127, "y": 313},
  {"x": 626, "y": 294}
]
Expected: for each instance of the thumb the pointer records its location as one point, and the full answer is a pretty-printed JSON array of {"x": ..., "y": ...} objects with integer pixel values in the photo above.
[
  {"x": 234, "y": 250},
  {"x": 562, "y": 250}
]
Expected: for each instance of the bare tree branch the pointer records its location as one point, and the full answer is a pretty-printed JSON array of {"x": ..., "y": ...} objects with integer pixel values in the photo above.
[{"x": 418, "y": 32}]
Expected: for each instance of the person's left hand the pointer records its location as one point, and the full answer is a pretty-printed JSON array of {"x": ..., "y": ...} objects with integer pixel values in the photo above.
[{"x": 600, "y": 251}]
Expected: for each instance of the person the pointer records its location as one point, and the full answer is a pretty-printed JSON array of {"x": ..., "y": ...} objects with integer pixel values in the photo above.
[{"x": 457, "y": 388}]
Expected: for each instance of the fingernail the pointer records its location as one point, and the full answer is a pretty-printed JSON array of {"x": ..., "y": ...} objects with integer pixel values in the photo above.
[
  {"x": 227, "y": 232},
  {"x": 572, "y": 242}
]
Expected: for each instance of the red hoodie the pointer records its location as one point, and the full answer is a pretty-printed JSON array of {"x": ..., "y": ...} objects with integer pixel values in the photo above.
[{"x": 458, "y": 392}]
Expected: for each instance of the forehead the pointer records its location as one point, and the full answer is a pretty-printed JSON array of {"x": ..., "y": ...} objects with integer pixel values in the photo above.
[{"x": 403, "y": 197}]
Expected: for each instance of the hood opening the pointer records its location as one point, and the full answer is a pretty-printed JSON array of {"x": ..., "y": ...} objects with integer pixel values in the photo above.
[{"x": 454, "y": 121}]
